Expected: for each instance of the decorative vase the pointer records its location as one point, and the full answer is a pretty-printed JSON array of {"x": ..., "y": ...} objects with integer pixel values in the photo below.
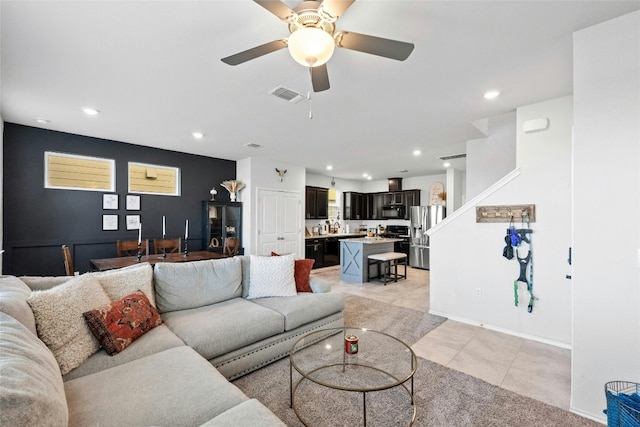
[{"x": 232, "y": 196}]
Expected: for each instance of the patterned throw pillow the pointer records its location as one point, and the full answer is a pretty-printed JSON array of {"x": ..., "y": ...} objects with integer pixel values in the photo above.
[
  {"x": 301, "y": 273},
  {"x": 120, "y": 323},
  {"x": 272, "y": 277}
]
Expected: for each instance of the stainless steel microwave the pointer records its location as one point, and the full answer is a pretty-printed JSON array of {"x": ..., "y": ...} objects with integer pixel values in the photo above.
[{"x": 393, "y": 212}]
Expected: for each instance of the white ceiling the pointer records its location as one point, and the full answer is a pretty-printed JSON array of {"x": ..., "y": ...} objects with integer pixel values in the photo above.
[{"x": 153, "y": 70}]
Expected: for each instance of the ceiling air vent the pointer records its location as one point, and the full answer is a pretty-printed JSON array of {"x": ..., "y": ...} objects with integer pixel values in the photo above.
[
  {"x": 453, "y": 156},
  {"x": 287, "y": 94},
  {"x": 252, "y": 145}
]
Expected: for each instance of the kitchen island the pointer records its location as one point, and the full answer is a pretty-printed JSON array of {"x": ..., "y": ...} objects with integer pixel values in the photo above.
[{"x": 354, "y": 253}]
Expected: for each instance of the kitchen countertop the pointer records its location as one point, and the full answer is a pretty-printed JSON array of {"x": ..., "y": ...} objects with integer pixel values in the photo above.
[
  {"x": 371, "y": 240},
  {"x": 338, "y": 235}
]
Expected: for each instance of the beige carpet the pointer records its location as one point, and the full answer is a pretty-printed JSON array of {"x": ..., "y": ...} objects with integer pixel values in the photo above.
[{"x": 444, "y": 397}]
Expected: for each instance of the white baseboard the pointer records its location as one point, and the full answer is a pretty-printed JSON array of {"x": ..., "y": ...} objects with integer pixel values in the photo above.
[
  {"x": 503, "y": 330},
  {"x": 589, "y": 416}
]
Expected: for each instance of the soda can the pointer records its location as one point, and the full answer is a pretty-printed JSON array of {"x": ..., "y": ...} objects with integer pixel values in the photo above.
[{"x": 351, "y": 344}]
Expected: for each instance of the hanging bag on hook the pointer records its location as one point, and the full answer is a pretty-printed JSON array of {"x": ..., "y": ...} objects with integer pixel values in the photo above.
[{"x": 507, "y": 252}]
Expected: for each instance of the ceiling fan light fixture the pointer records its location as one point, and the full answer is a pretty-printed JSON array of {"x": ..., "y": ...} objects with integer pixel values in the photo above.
[{"x": 311, "y": 46}]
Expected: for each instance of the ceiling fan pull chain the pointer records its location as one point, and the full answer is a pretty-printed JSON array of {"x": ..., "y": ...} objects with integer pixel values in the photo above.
[{"x": 310, "y": 106}]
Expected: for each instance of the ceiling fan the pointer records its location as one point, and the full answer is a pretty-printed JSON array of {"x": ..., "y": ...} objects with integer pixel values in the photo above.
[{"x": 313, "y": 38}]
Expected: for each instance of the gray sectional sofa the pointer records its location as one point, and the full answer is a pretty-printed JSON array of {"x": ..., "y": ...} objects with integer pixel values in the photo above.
[{"x": 176, "y": 374}]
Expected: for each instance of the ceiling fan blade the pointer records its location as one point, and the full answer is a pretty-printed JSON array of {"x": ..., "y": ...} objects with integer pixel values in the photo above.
[
  {"x": 255, "y": 52},
  {"x": 374, "y": 45},
  {"x": 276, "y": 7},
  {"x": 319, "y": 78},
  {"x": 336, "y": 8}
]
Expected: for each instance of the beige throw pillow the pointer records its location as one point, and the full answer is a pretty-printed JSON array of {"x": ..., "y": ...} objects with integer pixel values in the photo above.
[
  {"x": 124, "y": 281},
  {"x": 59, "y": 321}
]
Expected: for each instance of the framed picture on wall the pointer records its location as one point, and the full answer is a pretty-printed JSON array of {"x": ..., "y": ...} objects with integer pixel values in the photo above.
[
  {"x": 109, "y": 222},
  {"x": 133, "y": 222},
  {"x": 110, "y": 201},
  {"x": 133, "y": 202}
]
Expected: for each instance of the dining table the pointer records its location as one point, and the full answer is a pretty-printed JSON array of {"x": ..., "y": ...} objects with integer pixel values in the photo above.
[{"x": 103, "y": 264}]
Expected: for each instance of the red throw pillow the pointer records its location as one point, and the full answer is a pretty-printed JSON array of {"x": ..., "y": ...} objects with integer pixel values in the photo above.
[
  {"x": 301, "y": 272},
  {"x": 120, "y": 323}
]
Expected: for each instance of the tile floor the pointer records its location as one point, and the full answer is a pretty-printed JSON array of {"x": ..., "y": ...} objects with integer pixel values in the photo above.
[{"x": 529, "y": 368}]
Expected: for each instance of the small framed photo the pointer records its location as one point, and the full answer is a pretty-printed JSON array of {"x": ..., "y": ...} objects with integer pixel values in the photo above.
[
  {"x": 109, "y": 222},
  {"x": 133, "y": 222},
  {"x": 133, "y": 202},
  {"x": 110, "y": 201}
]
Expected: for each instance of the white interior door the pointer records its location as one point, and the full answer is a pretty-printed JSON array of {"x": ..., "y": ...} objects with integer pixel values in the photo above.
[{"x": 279, "y": 222}]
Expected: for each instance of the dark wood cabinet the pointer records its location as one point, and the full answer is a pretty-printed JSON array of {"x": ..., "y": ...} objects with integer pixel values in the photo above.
[
  {"x": 411, "y": 198},
  {"x": 219, "y": 221},
  {"x": 314, "y": 249},
  {"x": 395, "y": 198},
  {"x": 317, "y": 203},
  {"x": 353, "y": 205}
]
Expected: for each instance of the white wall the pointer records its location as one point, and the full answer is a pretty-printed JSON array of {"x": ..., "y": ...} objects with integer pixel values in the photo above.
[
  {"x": 491, "y": 158},
  {"x": 606, "y": 274},
  {"x": 260, "y": 173},
  {"x": 466, "y": 255}
]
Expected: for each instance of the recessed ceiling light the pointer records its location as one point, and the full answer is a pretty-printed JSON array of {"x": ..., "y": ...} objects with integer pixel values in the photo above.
[
  {"x": 90, "y": 111},
  {"x": 446, "y": 165},
  {"x": 369, "y": 177},
  {"x": 42, "y": 121},
  {"x": 417, "y": 152},
  {"x": 329, "y": 167},
  {"x": 364, "y": 175},
  {"x": 492, "y": 94},
  {"x": 198, "y": 135}
]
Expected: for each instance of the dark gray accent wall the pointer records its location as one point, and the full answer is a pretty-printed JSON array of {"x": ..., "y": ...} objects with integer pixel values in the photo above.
[{"x": 38, "y": 221}]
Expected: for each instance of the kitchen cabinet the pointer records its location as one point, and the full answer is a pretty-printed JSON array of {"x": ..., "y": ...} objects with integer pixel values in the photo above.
[
  {"x": 317, "y": 203},
  {"x": 395, "y": 198},
  {"x": 353, "y": 205},
  {"x": 372, "y": 205},
  {"x": 411, "y": 198},
  {"x": 314, "y": 249},
  {"x": 219, "y": 221},
  {"x": 331, "y": 251}
]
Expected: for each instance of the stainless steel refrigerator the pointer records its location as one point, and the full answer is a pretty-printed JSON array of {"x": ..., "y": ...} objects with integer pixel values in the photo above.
[{"x": 422, "y": 218}]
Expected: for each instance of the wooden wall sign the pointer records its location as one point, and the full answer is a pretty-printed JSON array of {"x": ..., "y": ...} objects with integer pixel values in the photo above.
[{"x": 506, "y": 213}]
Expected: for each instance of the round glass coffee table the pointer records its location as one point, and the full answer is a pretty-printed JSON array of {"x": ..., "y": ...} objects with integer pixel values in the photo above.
[{"x": 379, "y": 362}]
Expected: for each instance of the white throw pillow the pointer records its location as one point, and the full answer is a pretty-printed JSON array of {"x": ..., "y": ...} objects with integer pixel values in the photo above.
[
  {"x": 59, "y": 321},
  {"x": 272, "y": 276}
]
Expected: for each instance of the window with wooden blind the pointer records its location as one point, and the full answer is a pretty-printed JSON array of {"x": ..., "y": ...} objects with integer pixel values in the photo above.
[
  {"x": 153, "y": 179},
  {"x": 75, "y": 172}
]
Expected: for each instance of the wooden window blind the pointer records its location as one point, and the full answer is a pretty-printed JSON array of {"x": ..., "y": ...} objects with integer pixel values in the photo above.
[
  {"x": 153, "y": 179},
  {"x": 75, "y": 172}
]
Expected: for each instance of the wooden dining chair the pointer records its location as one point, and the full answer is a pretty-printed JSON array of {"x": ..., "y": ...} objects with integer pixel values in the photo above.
[
  {"x": 167, "y": 246},
  {"x": 130, "y": 247},
  {"x": 68, "y": 261},
  {"x": 231, "y": 246}
]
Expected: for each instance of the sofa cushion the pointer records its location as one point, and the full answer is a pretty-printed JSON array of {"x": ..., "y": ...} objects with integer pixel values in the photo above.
[
  {"x": 245, "y": 260},
  {"x": 13, "y": 301},
  {"x": 58, "y": 313},
  {"x": 304, "y": 308},
  {"x": 301, "y": 271},
  {"x": 175, "y": 387},
  {"x": 185, "y": 285},
  {"x": 249, "y": 413},
  {"x": 42, "y": 283},
  {"x": 124, "y": 281},
  {"x": 120, "y": 323},
  {"x": 31, "y": 389},
  {"x": 272, "y": 276},
  {"x": 220, "y": 328},
  {"x": 156, "y": 340}
]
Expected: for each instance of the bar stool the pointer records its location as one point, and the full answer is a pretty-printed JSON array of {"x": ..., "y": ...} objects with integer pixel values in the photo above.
[{"x": 385, "y": 261}]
